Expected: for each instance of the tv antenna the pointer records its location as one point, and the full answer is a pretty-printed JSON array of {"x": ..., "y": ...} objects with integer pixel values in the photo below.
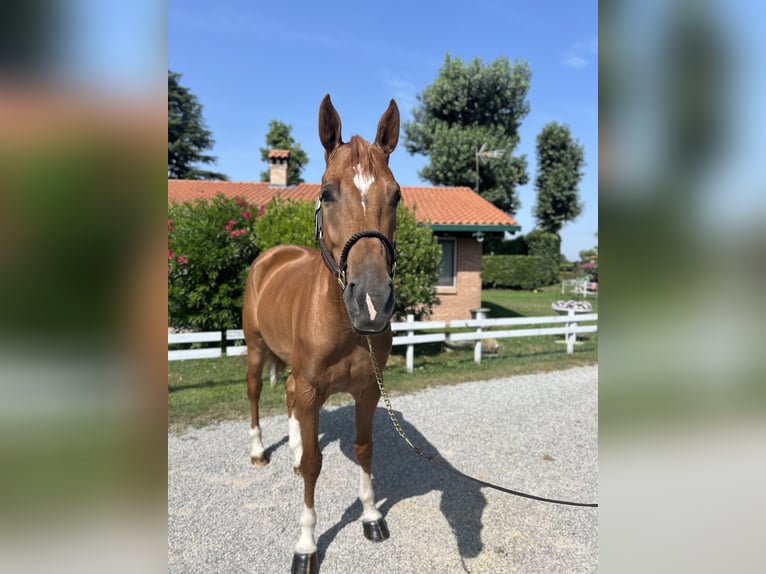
[{"x": 482, "y": 156}]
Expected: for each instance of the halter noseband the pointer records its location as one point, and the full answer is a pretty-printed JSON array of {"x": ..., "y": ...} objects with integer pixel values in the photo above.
[{"x": 339, "y": 269}]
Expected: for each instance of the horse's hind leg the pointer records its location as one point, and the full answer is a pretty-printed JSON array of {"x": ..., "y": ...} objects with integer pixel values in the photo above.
[
  {"x": 373, "y": 524},
  {"x": 257, "y": 353}
]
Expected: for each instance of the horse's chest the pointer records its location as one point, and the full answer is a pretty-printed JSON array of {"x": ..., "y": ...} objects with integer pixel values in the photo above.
[{"x": 348, "y": 375}]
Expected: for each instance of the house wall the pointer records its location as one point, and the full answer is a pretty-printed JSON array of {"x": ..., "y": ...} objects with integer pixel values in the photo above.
[{"x": 457, "y": 301}]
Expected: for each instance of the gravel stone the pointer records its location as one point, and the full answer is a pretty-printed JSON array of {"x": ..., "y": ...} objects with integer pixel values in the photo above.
[{"x": 533, "y": 433}]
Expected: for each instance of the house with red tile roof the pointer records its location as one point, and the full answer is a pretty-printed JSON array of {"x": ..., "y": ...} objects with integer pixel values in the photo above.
[{"x": 458, "y": 216}]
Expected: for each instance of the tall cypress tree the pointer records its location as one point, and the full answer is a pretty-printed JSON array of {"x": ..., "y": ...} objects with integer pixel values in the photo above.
[
  {"x": 560, "y": 160},
  {"x": 188, "y": 136}
]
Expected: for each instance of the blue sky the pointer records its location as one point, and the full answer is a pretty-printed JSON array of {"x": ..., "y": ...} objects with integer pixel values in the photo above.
[{"x": 251, "y": 62}]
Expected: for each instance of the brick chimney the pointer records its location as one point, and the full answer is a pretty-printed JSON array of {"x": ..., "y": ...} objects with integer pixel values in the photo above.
[{"x": 278, "y": 159}]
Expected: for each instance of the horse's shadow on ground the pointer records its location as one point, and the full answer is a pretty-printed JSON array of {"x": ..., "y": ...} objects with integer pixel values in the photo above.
[{"x": 399, "y": 473}]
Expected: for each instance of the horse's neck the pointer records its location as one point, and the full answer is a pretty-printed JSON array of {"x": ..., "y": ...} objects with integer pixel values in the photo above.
[{"x": 327, "y": 296}]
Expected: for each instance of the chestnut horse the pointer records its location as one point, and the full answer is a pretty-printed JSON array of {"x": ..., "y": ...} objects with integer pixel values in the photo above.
[{"x": 318, "y": 311}]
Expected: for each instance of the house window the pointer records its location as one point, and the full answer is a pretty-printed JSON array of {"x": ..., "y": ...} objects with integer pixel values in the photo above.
[{"x": 448, "y": 271}]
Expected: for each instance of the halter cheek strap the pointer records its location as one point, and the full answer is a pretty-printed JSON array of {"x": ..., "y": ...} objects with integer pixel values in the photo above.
[{"x": 339, "y": 269}]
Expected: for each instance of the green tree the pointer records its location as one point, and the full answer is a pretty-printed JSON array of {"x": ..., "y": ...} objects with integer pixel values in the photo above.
[
  {"x": 418, "y": 263},
  {"x": 210, "y": 248},
  {"x": 546, "y": 246},
  {"x": 588, "y": 255},
  {"x": 466, "y": 107},
  {"x": 278, "y": 137},
  {"x": 560, "y": 160},
  {"x": 188, "y": 136},
  {"x": 418, "y": 251}
]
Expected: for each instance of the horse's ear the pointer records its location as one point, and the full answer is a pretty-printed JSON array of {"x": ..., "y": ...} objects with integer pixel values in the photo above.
[
  {"x": 388, "y": 129},
  {"x": 329, "y": 126}
]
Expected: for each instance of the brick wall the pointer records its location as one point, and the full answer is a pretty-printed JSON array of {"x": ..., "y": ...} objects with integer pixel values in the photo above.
[
  {"x": 277, "y": 172},
  {"x": 457, "y": 301}
]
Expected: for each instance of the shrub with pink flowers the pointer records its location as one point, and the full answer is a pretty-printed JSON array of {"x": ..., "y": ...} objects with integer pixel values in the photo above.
[{"x": 211, "y": 244}]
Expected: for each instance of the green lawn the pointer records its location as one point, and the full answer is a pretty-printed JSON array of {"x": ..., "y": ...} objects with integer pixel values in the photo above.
[
  {"x": 509, "y": 303},
  {"x": 204, "y": 391}
]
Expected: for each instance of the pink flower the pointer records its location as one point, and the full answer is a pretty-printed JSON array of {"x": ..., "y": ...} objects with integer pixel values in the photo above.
[
  {"x": 240, "y": 202},
  {"x": 182, "y": 260},
  {"x": 171, "y": 255},
  {"x": 231, "y": 223},
  {"x": 247, "y": 215},
  {"x": 170, "y": 225},
  {"x": 262, "y": 210}
]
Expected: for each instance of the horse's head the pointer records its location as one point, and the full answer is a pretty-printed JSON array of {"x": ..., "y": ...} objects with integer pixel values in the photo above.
[{"x": 357, "y": 216}]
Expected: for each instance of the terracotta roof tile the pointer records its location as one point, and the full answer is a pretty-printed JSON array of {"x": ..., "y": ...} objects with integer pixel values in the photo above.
[
  {"x": 445, "y": 206},
  {"x": 279, "y": 153},
  {"x": 453, "y": 206}
]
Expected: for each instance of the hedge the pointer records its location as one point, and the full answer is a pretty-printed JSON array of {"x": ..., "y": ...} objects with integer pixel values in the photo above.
[{"x": 516, "y": 272}]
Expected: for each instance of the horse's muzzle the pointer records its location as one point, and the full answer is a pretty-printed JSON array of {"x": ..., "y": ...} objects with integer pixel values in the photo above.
[{"x": 370, "y": 304}]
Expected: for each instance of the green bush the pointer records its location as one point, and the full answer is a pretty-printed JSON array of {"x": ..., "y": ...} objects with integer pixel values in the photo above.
[
  {"x": 287, "y": 222},
  {"x": 419, "y": 259},
  {"x": 210, "y": 248},
  {"x": 514, "y": 272},
  {"x": 548, "y": 247},
  {"x": 499, "y": 246},
  {"x": 527, "y": 262},
  {"x": 542, "y": 243}
]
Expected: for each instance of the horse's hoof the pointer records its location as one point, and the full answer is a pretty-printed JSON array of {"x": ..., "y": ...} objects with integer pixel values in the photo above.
[
  {"x": 377, "y": 531},
  {"x": 305, "y": 564},
  {"x": 259, "y": 460},
  {"x": 297, "y": 470}
]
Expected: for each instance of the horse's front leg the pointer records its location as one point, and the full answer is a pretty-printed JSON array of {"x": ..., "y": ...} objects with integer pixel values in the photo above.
[
  {"x": 256, "y": 355},
  {"x": 373, "y": 524},
  {"x": 305, "y": 557}
]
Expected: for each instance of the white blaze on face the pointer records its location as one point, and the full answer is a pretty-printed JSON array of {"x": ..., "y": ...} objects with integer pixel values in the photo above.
[
  {"x": 371, "y": 308},
  {"x": 362, "y": 181}
]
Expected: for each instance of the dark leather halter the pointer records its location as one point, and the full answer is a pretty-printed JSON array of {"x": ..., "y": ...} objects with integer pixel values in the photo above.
[{"x": 339, "y": 269}]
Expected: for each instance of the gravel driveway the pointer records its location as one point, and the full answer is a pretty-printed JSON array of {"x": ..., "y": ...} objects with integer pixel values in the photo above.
[{"x": 534, "y": 433}]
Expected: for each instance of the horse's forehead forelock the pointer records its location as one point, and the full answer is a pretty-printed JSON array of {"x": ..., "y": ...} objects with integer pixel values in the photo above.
[
  {"x": 363, "y": 179},
  {"x": 358, "y": 165}
]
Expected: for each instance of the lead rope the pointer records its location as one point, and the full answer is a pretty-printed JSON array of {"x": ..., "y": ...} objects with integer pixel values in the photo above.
[{"x": 430, "y": 457}]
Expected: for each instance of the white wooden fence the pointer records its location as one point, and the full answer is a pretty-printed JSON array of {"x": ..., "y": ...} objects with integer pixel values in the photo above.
[{"x": 567, "y": 325}]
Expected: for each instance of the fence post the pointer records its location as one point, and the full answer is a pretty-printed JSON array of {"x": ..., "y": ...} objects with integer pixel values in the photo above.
[
  {"x": 478, "y": 314},
  {"x": 570, "y": 334},
  {"x": 410, "y": 347}
]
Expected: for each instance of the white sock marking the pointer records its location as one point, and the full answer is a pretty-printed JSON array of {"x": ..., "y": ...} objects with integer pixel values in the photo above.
[
  {"x": 296, "y": 444},
  {"x": 306, "y": 543},
  {"x": 367, "y": 496},
  {"x": 371, "y": 308},
  {"x": 256, "y": 446},
  {"x": 363, "y": 182}
]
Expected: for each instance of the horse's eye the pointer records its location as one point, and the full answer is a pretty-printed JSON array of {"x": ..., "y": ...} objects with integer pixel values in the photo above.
[
  {"x": 326, "y": 195},
  {"x": 397, "y": 197}
]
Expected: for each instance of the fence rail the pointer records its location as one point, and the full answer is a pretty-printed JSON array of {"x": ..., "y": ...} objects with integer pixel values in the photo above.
[{"x": 568, "y": 325}]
